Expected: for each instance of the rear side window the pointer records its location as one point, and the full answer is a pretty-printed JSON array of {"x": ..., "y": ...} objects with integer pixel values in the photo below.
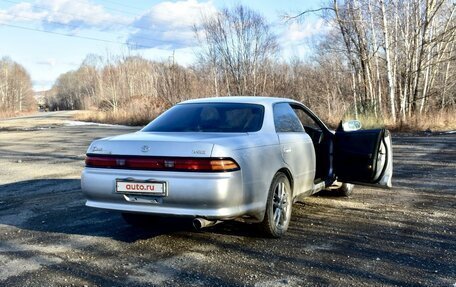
[
  {"x": 285, "y": 119},
  {"x": 209, "y": 117}
]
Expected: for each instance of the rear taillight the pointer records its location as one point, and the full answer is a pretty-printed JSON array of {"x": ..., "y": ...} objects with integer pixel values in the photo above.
[
  {"x": 100, "y": 162},
  {"x": 162, "y": 163}
]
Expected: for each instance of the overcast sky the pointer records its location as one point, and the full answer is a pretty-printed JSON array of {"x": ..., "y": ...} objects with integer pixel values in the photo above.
[{"x": 154, "y": 29}]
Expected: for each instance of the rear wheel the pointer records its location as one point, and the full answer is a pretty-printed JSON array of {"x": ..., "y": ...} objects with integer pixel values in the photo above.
[
  {"x": 138, "y": 219},
  {"x": 278, "y": 207}
]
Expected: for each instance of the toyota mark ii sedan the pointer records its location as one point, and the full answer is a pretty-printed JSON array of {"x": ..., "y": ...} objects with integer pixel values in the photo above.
[{"x": 226, "y": 158}]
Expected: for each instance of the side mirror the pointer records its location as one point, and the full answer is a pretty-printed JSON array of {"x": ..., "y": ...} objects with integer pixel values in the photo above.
[{"x": 351, "y": 125}]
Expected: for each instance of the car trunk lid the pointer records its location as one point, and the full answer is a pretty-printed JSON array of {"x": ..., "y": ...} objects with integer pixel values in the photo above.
[{"x": 156, "y": 144}]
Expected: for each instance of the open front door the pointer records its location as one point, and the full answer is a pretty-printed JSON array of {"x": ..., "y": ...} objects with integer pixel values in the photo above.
[{"x": 364, "y": 157}]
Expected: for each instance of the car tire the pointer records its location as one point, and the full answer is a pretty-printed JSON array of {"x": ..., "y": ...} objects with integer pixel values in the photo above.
[
  {"x": 278, "y": 207},
  {"x": 138, "y": 219},
  {"x": 346, "y": 189}
]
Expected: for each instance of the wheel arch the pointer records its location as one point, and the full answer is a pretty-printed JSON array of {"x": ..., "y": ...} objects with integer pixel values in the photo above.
[{"x": 289, "y": 176}]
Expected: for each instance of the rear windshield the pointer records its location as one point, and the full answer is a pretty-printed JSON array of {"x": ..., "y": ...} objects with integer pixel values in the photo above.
[{"x": 209, "y": 117}]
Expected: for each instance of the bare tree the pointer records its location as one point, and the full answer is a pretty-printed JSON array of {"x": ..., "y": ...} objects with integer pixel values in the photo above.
[
  {"x": 236, "y": 43},
  {"x": 409, "y": 43},
  {"x": 16, "y": 92}
]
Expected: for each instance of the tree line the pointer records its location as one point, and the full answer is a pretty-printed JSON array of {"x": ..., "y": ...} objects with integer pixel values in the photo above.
[
  {"x": 392, "y": 60},
  {"x": 400, "y": 54},
  {"x": 16, "y": 94}
]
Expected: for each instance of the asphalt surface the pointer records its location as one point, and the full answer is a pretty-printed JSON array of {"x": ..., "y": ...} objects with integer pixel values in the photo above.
[{"x": 405, "y": 236}]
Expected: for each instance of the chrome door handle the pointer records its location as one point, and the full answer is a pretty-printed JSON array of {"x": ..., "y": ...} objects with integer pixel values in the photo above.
[{"x": 286, "y": 149}]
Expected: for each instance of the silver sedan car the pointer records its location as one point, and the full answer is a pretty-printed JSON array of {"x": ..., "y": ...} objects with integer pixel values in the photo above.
[{"x": 226, "y": 158}]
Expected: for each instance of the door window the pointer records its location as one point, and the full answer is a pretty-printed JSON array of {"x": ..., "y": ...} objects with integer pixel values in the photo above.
[
  {"x": 306, "y": 120},
  {"x": 285, "y": 119}
]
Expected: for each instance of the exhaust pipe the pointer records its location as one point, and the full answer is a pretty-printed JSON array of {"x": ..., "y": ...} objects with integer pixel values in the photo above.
[{"x": 200, "y": 223}]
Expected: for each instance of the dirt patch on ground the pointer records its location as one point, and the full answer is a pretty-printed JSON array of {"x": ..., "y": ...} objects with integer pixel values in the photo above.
[{"x": 405, "y": 236}]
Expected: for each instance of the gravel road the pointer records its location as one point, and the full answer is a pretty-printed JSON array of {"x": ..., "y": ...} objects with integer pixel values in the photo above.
[{"x": 405, "y": 236}]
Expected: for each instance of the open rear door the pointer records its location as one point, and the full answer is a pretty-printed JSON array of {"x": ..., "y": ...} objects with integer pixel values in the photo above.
[{"x": 364, "y": 157}]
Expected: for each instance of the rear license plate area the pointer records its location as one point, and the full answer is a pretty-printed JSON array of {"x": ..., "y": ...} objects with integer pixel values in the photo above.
[{"x": 148, "y": 187}]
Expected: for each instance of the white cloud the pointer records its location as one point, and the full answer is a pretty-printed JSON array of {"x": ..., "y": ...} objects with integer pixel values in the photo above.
[
  {"x": 299, "y": 32},
  {"x": 25, "y": 11},
  {"x": 298, "y": 39},
  {"x": 50, "y": 62},
  {"x": 66, "y": 14},
  {"x": 170, "y": 24}
]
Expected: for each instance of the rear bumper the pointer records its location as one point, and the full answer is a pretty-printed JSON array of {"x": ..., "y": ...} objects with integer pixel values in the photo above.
[{"x": 193, "y": 194}]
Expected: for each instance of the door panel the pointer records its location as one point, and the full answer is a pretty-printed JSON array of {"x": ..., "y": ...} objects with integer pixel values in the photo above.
[
  {"x": 363, "y": 157},
  {"x": 298, "y": 153}
]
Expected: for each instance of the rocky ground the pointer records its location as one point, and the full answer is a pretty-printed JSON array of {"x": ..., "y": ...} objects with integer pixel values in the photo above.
[{"x": 405, "y": 236}]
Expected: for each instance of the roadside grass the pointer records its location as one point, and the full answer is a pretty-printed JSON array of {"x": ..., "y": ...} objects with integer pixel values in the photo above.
[
  {"x": 10, "y": 114},
  {"x": 122, "y": 117},
  {"x": 442, "y": 121}
]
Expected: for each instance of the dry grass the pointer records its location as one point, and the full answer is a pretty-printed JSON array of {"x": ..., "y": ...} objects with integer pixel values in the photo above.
[
  {"x": 442, "y": 121},
  {"x": 119, "y": 118},
  {"x": 139, "y": 111},
  {"x": 10, "y": 114}
]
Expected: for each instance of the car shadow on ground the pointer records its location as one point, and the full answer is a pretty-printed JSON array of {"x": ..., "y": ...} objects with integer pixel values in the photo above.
[{"x": 58, "y": 206}]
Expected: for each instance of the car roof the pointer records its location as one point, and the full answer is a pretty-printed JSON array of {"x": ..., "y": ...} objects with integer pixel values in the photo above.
[{"x": 240, "y": 99}]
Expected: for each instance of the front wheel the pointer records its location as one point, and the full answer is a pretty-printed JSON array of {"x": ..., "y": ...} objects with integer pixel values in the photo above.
[
  {"x": 346, "y": 189},
  {"x": 278, "y": 207}
]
